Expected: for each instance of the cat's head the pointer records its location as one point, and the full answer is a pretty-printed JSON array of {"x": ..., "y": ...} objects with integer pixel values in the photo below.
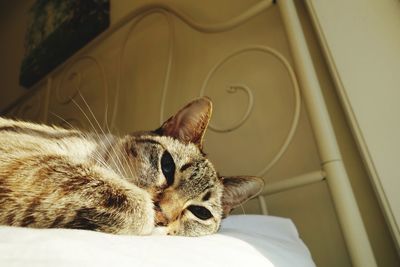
[{"x": 189, "y": 196}]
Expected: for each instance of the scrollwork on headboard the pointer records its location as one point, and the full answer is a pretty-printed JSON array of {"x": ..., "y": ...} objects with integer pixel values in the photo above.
[
  {"x": 247, "y": 90},
  {"x": 75, "y": 77},
  {"x": 167, "y": 11},
  {"x": 71, "y": 81},
  {"x": 70, "y": 87},
  {"x": 232, "y": 89}
]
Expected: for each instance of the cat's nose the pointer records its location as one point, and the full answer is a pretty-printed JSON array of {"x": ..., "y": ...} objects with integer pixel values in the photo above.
[{"x": 161, "y": 219}]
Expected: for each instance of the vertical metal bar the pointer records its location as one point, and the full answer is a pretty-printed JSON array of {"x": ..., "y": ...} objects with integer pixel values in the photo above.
[
  {"x": 263, "y": 205},
  {"x": 346, "y": 206}
]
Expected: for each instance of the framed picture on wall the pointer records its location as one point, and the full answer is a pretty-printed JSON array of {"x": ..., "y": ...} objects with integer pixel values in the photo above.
[{"x": 56, "y": 30}]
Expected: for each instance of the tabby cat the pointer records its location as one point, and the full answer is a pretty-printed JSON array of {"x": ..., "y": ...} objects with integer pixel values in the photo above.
[{"x": 145, "y": 182}]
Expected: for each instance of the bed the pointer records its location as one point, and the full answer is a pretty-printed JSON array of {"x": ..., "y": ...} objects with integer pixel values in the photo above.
[
  {"x": 256, "y": 67},
  {"x": 262, "y": 241}
]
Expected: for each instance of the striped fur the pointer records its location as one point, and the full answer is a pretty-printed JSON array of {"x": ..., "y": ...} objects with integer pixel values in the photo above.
[{"x": 52, "y": 177}]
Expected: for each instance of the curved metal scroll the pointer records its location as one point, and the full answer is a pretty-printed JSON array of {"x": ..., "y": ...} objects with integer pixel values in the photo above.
[{"x": 234, "y": 88}]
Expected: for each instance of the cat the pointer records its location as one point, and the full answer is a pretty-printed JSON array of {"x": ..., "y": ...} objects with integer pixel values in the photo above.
[{"x": 138, "y": 184}]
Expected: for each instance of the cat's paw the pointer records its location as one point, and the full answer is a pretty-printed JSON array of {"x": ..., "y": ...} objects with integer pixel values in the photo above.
[
  {"x": 139, "y": 218},
  {"x": 160, "y": 230},
  {"x": 145, "y": 213}
]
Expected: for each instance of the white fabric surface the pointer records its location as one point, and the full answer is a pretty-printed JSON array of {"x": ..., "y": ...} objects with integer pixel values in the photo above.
[{"x": 244, "y": 240}]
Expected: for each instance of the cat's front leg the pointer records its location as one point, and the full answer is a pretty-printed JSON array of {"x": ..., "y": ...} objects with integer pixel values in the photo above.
[
  {"x": 139, "y": 214},
  {"x": 53, "y": 191},
  {"x": 115, "y": 206}
]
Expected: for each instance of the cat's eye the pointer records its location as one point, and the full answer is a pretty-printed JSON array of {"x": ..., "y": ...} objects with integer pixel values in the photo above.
[
  {"x": 200, "y": 212},
  {"x": 168, "y": 167}
]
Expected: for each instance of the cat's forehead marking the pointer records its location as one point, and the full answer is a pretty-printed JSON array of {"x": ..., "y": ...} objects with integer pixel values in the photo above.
[
  {"x": 181, "y": 151},
  {"x": 147, "y": 140},
  {"x": 186, "y": 166},
  {"x": 199, "y": 180},
  {"x": 206, "y": 196}
]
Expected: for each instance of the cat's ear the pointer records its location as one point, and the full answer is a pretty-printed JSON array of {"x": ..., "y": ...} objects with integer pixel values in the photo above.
[
  {"x": 239, "y": 189},
  {"x": 189, "y": 124}
]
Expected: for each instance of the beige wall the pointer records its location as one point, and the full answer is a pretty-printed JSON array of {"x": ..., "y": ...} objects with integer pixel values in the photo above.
[
  {"x": 376, "y": 226},
  {"x": 310, "y": 207},
  {"x": 12, "y": 30},
  {"x": 365, "y": 65}
]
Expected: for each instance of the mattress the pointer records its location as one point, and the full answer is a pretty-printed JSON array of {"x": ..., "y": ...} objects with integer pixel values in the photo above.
[{"x": 243, "y": 240}]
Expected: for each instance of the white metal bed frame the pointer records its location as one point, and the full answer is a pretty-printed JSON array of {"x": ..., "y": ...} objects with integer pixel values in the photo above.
[{"x": 332, "y": 168}]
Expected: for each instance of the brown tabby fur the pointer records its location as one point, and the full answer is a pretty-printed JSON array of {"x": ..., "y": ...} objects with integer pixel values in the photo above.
[{"x": 57, "y": 178}]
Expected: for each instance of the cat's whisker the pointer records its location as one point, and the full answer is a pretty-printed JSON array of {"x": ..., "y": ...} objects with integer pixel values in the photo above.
[
  {"x": 97, "y": 134},
  {"x": 106, "y": 118},
  {"x": 109, "y": 132},
  {"x": 241, "y": 205},
  {"x": 98, "y": 157},
  {"x": 128, "y": 165},
  {"x": 106, "y": 137},
  {"x": 78, "y": 131},
  {"x": 61, "y": 118},
  {"x": 125, "y": 158}
]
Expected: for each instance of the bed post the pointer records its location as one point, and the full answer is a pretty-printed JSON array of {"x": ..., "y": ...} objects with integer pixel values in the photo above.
[{"x": 346, "y": 207}]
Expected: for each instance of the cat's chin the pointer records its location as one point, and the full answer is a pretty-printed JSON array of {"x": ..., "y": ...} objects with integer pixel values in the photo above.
[{"x": 160, "y": 230}]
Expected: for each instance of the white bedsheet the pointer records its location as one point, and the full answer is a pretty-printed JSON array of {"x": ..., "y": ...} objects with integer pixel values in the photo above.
[{"x": 244, "y": 240}]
